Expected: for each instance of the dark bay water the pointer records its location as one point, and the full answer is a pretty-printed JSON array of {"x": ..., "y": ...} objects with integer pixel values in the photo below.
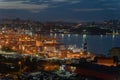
[{"x": 99, "y": 44}]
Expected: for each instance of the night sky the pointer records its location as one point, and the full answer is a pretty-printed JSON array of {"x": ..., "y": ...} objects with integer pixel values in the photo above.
[{"x": 61, "y": 10}]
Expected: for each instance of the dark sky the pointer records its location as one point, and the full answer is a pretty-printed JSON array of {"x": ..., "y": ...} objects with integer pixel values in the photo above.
[{"x": 61, "y": 10}]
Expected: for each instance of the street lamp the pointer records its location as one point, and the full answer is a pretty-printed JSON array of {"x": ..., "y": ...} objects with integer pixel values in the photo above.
[{"x": 20, "y": 65}]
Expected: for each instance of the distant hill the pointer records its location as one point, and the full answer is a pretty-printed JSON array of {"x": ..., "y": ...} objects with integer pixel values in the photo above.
[{"x": 90, "y": 30}]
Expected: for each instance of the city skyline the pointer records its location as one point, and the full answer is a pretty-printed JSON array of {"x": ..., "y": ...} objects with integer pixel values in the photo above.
[{"x": 60, "y": 10}]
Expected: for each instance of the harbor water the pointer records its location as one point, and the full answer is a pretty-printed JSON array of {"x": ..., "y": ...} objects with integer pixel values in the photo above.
[{"x": 98, "y": 44}]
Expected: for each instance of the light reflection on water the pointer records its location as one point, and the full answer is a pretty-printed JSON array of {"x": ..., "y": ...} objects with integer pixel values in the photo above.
[{"x": 100, "y": 44}]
